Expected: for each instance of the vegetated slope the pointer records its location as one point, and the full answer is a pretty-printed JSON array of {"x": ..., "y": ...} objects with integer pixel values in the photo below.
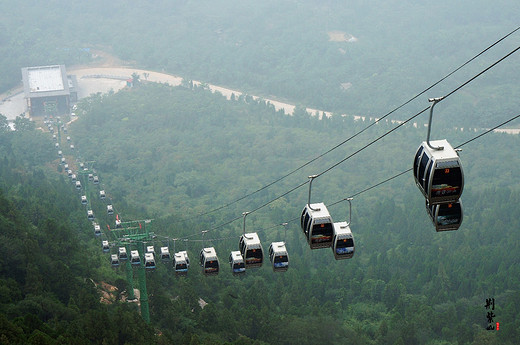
[
  {"x": 175, "y": 152},
  {"x": 49, "y": 261}
]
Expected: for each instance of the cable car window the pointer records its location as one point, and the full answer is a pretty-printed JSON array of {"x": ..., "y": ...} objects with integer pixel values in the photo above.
[
  {"x": 427, "y": 177},
  {"x": 321, "y": 233},
  {"x": 416, "y": 161},
  {"x": 211, "y": 265},
  {"x": 181, "y": 266},
  {"x": 280, "y": 259},
  {"x": 238, "y": 265},
  {"x": 449, "y": 214},
  {"x": 254, "y": 253},
  {"x": 344, "y": 243},
  {"x": 422, "y": 166},
  {"x": 446, "y": 182}
]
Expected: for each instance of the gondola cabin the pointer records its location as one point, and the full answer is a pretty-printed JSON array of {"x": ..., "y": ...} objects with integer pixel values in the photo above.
[
  {"x": 97, "y": 230},
  {"x": 54, "y": 137},
  {"x": 90, "y": 177},
  {"x": 278, "y": 256},
  {"x": 56, "y": 145},
  {"x": 236, "y": 261},
  {"x": 446, "y": 216},
  {"x": 438, "y": 173},
  {"x": 209, "y": 261},
  {"x": 118, "y": 224},
  {"x": 102, "y": 195},
  {"x": 63, "y": 161},
  {"x": 149, "y": 261},
  {"x": 69, "y": 173},
  {"x": 150, "y": 249},
  {"x": 73, "y": 178},
  {"x": 180, "y": 265},
  {"x": 135, "y": 259},
  {"x": 106, "y": 247},
  {"x": 251, "y": 250},
  {"x": 68, "y": 138},
  {"x": 90, "y": 215},
  {"x": 316, "y": 224},
  {"x": 185, "y": 253},
  {"x": 84, "y": 199},
  {"x": 110, "y": 210},
  {"x": 66, "y": 167},
  {"x": 122, "y": 254},
  {"x": 78, "y": 185},
  {"x": 114, "y": 260},
  {"x": 343, "y": 241},
  {"x": 60, "y": 153},
  {"x": 96, "y": 180},
  {"x": 72, "y": 146},
  {"x": 165, "y": 254}
]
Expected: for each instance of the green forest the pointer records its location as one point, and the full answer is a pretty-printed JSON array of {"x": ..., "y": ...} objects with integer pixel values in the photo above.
[
  {"x": 172, "y": 153},
  {"x": 186, "y": 158}
]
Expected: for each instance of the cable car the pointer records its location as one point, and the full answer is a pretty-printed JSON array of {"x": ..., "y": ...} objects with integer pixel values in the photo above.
[
  {"x": 84, "y": 199},
  {"x": 73, "y": 177},
  {"x": 90, "y": 215},
  {"x": 165, "y": 254},
  {"x": 122, "y": 254},
  {"x": 343, "y": 242},
  {"x": 209, "y": 261},
  {"x": 81, "y": 165},
  {"x": 118, "y": 224},
  {"x": 149, "y": 261},
  {"x": 106, "y": 247},
  {"x": 56, "y": 145},
  {"x": 278, "y": 256},
  {"x": 150, "y": 249},
  {"x": 69, "y": 173},
  {"x": 102, "y": 195},
  {"x": 60, "y": 153},
  {"x": 90, "y": 177},
  {"x": 66, "y": 167},
  {"x": 72, "y": 146},
  {"x": 180, "y": 264},
  {"x": 62, "y": 160},
  {"x": 97, "y": 230},
  {"x": 438, "y": 173},
  {"x": 251, "y": 250},
  {"x": 110, "y": 210},
  {"x": 54, "y": 137},
  {"x": 68, "y": 138},
  {"x": 114, "y": 260},
  {"x": 316, "y": 224},
  {"x": 446, "y": 216},
  {"x": 65, "y": 129},
  {"x": 185, "y": 253},
  {"x": 135, "y": 259},
  {"x": 236, "y": 261},
  {"x": 96, "y": 180},
  {"x": 78, "y": 185}
]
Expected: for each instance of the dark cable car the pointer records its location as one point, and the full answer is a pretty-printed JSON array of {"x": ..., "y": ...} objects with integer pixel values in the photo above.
[
  {"x": 278, "y": 256},
  {"x": 446, "y": 216},
  {"x": 236, "y": 261},
  {"x": 180, "y": 264},
  {"x": 343, "y": 242},
  {"x": 437, "y": 169},
  {"x": 209, "y": 261}
]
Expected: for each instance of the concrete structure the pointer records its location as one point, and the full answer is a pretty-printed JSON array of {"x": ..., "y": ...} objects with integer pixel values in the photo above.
[{"x": 48, "y": 90}]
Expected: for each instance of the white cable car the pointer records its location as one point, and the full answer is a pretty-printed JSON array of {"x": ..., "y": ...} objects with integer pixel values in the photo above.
[
  {"x": 343, "y": 242},
  {"x": 102, "y": 195},
  {"x": 114, "y": 260},
  {"x": 165, "y": 254},
  {"x": 106, "y": 246},
  {"x": 149, "y": 261},
  {"x": 251, "y": 250},
  {"x": 60, "y": 153},
  {"x": 73, "y": 177},
  {"x": 96, "y": 180},
  {"x": 90, "y": 215},
  {"x": 56, "y": 145},
  {"x": 446, "y": 216},
  {"x": 150, "y": 249},
  {"x": 97, "y": 230},
  {"x": 236, "y": 261},
  {"x": 90, "y": 177},
  {"x": 316, "y": 224},
  {"x": 54, "y": 137},
  {"x": 81, "y": 166},
  {"x": 437, "y": 168},
  {"x": 72, "y": 146},
  {"x": 209, "y": 261},
  {"x": 69, "y": 173},
  {"x": 66, "y": 167},
  {"x": 68, "y": 138},
  {"x": 278, "y": 256},
  {"x": 110, "y": 210},
  {"x": 122, "y": 254},
  {"x": 78, "y": 185},
  {"x": 62, "y": 161},
  {"x": 118, "y": 224},
  {"x": 180, "y": 264},
  {"x": 185, "y": 253},
  {"x": 135, "y": 259},
  {"x": 84, "y": 199}
]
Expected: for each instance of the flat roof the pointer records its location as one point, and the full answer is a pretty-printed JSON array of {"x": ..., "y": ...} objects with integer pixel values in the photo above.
[{"x": 45, "y": 81}]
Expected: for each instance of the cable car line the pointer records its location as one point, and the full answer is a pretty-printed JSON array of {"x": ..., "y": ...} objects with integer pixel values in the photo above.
[{"x": 366, "y": 128}]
